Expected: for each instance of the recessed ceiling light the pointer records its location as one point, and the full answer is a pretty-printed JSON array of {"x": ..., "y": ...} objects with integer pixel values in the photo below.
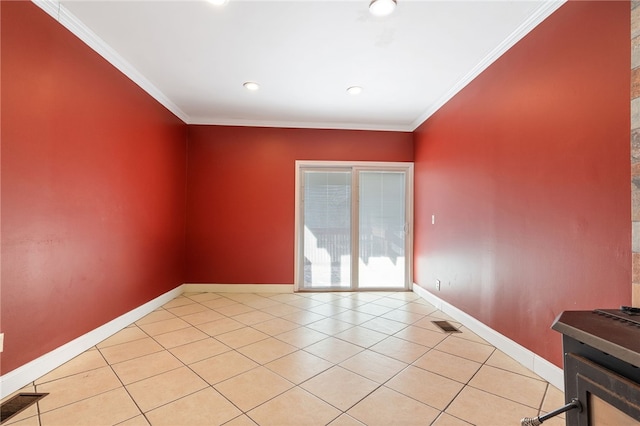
[
  {"x": 218, "y": 2},
  {"x": 251, "y": 85},
  {"x": 382, "y": 7},
  {"x": 354, "y": 90}
]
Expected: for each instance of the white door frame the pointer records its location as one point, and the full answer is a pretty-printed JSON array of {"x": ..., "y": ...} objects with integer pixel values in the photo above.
[{"x": 407, "y": 167}]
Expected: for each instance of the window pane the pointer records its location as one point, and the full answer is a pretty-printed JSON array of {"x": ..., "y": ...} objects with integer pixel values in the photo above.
[
  {"x": 327, "y": 229},
  {"x": 381, "y": 260}
]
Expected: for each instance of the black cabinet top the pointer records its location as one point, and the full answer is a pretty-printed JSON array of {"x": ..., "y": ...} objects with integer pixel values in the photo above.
[{"x": 614, "y": 332}]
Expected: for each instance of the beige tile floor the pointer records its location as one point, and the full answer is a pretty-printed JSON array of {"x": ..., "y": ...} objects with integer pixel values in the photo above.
[{"x": 337, "y": 359}]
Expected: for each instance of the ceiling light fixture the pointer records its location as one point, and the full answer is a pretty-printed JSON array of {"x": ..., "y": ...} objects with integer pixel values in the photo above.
[
  {"x": 218, "y": 2},
  {"x": 354, "y": 90},
  {"x": 382, "y": 7},
  {"x": 251, "y": 85}
]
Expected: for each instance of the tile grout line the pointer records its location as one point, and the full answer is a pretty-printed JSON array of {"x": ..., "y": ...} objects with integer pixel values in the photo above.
[
  {"x": 306, "y": 380},
  {"x": 468, "y": 381},
  {"x": 84, "y": 398},
  {"x": 508, "y": 371},
  {"x": 245, "y": 413},
  {"x": 544, "y": 396},
  {"x": 308, "y": 310},
  {"x": 164, "y": 349},
  {"x": 35, "y": 389},
  {"x": 379, "y": 385},
  {"x": 123, "y": 387},
  {"x": 188, "y": 367}
]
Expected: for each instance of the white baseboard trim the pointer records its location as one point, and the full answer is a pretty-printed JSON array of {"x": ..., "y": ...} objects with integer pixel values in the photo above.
[
  {"x": 540, "y": 366},
  {"x": 27, "y": 373},
  {"x": 238, "y": 288}
]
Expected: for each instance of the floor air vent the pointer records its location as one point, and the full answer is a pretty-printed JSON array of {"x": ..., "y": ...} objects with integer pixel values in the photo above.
[
  {"x": 446, "y": 326},
  {"x": 20, "y": 402}
]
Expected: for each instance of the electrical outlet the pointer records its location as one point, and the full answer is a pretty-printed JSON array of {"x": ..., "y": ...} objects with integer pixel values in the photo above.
[
  {"x": 1, "y": 342},
  {"x": 438, "y": 285}
]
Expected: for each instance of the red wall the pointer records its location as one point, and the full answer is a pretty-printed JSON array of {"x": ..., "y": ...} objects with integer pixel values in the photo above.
[
  {"x": 241, "y": 210},
  {"x": 527, "y": 171},
  {"x": 93, "y": 189}
]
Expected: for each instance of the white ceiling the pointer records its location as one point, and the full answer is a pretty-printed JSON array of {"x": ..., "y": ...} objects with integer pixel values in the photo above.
[{"x": 193, "y": 57}]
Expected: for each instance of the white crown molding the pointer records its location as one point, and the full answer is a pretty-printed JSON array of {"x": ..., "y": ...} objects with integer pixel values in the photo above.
[
  {"x": 301, "y": 124},
  {"x": 73, "y": 24},
  {"x": 50, "y": 6},
  {"x": 542, "y": 13},
  {"x": 534, "y": 362}
]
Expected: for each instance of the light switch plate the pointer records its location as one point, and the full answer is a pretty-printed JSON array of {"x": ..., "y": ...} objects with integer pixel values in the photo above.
[{"x": 1, "y": 342}]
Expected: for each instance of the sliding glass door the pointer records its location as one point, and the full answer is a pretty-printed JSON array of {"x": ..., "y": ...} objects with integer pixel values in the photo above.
[
  {"x": 382, "y": 236},
  {"x": 327, "y": 229},
  {"x": 353, "y": 224}
]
